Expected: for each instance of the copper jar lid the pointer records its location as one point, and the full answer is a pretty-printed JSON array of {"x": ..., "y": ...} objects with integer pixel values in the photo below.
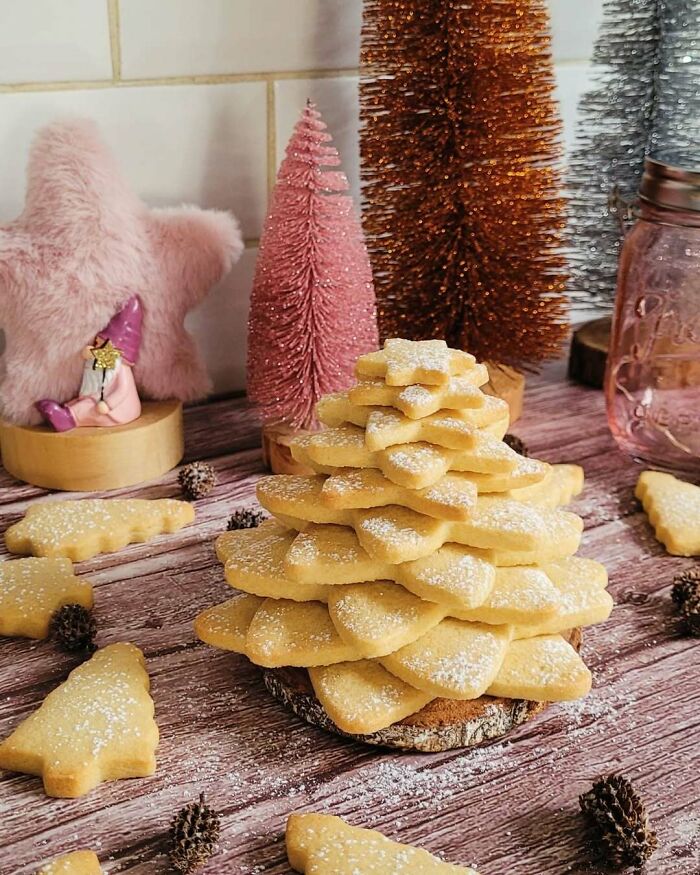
[{"x": 670, "y": 187}]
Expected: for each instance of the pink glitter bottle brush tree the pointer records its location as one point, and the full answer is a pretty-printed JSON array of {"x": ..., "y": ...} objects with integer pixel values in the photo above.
[{"x": 313, "y": 306}]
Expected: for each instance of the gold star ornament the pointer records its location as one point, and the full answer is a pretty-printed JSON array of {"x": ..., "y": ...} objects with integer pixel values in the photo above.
[{"x": 106, "y": 356}]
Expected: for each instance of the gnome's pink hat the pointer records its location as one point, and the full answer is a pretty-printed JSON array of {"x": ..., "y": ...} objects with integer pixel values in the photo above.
[{"x": 124, "y": 329}]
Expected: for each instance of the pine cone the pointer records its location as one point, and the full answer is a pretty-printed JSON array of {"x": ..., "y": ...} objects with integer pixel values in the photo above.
[
  {"x": 619, "y": 822},
  {"x": 197, "y": 480},
  {"x": 517, "y": 444},
  {"x": 74, "y": 628},
  {"x": 685, "y": 585},
  {"x": 245, "y": 518},
  {"x": 690, "y": 615},
  {"x": 686, "y": 595},
  {"x": 194, "y": 833}
]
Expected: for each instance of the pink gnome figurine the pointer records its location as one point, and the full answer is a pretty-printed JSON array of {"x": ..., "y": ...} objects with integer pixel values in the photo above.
[{"x": 107, "y": 394}]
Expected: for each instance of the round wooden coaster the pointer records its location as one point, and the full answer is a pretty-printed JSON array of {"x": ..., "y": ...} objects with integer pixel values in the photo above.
[
  {"x": 444, "y": 724},
  {"x": 589, "y": 352},
  {"x": 96, "y": 459},
  {"x": 507, "y": 384},
  {"x": 277, "y": 452}
]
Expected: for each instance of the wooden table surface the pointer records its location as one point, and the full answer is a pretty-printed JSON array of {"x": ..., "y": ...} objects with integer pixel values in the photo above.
[{"x": 508, "y": 807}]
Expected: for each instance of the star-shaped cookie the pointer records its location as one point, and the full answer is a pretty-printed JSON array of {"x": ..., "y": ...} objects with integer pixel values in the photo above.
[
  {"x": 418, "y": 401},
  {"x": 455, "y": 659},
  {"x": 414, "y": 466},
  {"x": 329, "y": 500},
  {"x": 254, "y": 562},
  {"x": 405, "y": 362},
  {"x": 32, "y": 590},
  {"x": 378, "y": 698},
  {"x": 333, "y": 410}
]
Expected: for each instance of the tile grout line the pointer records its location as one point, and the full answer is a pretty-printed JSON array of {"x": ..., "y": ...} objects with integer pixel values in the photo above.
[
  {"x": 115, "y": 38},
  {"x": 208, "y": 79},
  {"x": 199, "y": 79},
  {"x": 271, "y": 138}
]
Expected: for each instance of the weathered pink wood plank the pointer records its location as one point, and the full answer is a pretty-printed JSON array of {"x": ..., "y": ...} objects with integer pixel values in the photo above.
[{"x": 508, "y": 807}]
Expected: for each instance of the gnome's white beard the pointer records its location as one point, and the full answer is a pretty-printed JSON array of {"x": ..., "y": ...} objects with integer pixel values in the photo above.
[{"x": 96, "y": 380}]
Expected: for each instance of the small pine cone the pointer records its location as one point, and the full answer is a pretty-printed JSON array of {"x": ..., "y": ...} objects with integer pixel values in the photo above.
[
  {"x": 245, "y": 518},
  {"x": 74, "y": 627},
  {"x": 619, "y": 822},
  {"x": 685, "y": 585},
  {"x": 517, "y": 444},
  {"x": 690, "y": 615},
  {"x": 197, "y": 480},
  {"x": 194, "y": 833}
]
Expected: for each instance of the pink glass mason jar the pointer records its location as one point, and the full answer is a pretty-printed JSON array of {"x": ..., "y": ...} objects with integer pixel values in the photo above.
[{"x": 652, "y": 384}]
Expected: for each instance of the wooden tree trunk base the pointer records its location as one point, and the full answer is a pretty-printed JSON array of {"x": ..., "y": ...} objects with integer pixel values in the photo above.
[
  {"x": 589, "y": 352},
  {"x": 444, "y": 724},
  {"x": 96, "y": 459},
  {"x": 276, "y": 450},
  {"x": 508, "y": 384}
]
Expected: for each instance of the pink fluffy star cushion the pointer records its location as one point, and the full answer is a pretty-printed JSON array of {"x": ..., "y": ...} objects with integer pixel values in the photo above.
[{"x": 85, "y": 244}]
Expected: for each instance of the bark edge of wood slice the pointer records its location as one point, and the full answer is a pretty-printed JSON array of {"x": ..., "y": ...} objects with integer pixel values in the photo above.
[
  {"x": 588, "y": 355},
  {"x": 443, "y": 724},
  {"x": 96, "y": 459},
  {"x": 509, "y": 385}
]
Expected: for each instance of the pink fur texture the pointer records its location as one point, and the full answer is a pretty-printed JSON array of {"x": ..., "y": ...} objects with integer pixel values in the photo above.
[{"x": 84, "y": 244}]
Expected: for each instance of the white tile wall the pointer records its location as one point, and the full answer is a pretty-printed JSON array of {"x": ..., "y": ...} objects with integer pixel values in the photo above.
[
  {"x": 198, "y": 98},
  {"x": 223, "y": 315},
  {"x": 184, "y": 37},
  {"x": 573, "y": 80},
  {"x": 47, "y": 40},
  {"x": 574, "y": 27},
  {"x": 176, "y": 144}
]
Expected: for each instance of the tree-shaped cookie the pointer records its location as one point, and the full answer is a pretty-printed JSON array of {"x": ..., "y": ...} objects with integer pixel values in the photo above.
[
  {"x": 673, "y": 508},
  {"x": 97, "y": 726},
  {"x": 75, "y": 863},
  {"x": 32, "y": 590},
  {"x": 81, "y": 529},
  {"x": 319, "y": 844}
]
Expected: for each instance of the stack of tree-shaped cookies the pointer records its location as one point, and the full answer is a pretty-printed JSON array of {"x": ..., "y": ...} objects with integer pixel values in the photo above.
[{"x": 424, "y": 560}]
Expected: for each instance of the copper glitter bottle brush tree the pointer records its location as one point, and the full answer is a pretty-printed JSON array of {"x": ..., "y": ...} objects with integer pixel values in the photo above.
[
  {"x": 644, "y": 103},
  {"x": 313, "y": 306},
  {"x": 460, "y": 145}
]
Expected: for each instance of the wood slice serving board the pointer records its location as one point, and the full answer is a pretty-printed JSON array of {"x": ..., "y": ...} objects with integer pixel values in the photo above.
[
  {"x": 443, "y": 724},
  {"x": 589, "y": 352}
]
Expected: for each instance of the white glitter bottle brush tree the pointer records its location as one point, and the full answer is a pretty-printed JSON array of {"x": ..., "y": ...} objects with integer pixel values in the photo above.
[
  {"x": 313, "y": 307},
  {"x": 644, "y": 102}
]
